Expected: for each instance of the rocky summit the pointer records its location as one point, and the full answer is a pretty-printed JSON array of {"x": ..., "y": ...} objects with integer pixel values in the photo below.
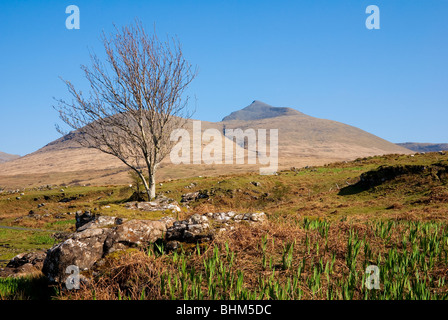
[{"x": 260, "y": 110}]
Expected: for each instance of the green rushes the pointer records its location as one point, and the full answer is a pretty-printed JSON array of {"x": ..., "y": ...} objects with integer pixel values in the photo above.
[{"x": 322, "y": 260}]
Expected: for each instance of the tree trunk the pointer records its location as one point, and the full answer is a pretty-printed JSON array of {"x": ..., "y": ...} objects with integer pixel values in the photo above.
[
  {"x": 152, "y": 186},
  {"x": 145, "y": 184}
]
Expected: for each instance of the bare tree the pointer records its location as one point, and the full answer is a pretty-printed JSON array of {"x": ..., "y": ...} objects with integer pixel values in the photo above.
[{"x": 136, "y": 99}]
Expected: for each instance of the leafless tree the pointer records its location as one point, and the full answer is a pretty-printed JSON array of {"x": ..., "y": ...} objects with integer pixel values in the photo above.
[{"x": 136, "y": 98}]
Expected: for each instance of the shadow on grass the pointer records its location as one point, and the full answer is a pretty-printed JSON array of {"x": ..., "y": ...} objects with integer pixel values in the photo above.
[
  {"x": 353, "y": 189},
  {"x": 134, "y": 197},
  {"x": 26, "y": 288}
]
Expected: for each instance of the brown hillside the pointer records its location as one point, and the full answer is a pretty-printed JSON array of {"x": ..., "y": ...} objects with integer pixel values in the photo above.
[
  {"x": 303, "y": 140},
  {"x": 4, "y": 157}
]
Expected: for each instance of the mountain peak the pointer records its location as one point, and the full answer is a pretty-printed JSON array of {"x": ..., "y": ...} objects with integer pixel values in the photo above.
[{"x": 259, "y": 110}]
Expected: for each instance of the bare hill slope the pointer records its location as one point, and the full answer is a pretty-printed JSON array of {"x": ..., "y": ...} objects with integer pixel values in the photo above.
[
  {"x": 4, "y": 157},
  {"x": 303, "y": 140}
]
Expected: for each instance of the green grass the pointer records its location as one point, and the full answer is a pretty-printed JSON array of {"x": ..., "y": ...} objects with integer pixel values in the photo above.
[
  {"x": 62, "y": 225},
  {"x": 13, "y": 242},
  {"x": 26, "y": 288}
]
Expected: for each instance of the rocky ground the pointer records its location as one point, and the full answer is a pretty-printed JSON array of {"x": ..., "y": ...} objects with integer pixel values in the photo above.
[{"x": 97, "y": 236}]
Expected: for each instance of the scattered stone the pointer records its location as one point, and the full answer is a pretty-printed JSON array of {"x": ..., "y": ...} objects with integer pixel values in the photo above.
[
  {"x": 193, "y": 196},
  {"x": 191, "y": 185},
  {"x": 256, "y": 183},
  {"x": 187, "y": 197},
  {"x": 199, "y": 228},
  {"x": 34, "y": 215},
  {"x": 83, "y": 218},
  {"x": 161, "y": 204},
  {"x": 172, "y": 245},
  {"x": 169, "y": 221}
]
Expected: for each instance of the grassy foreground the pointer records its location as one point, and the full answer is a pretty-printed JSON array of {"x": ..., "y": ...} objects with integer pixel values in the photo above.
[{"x": 326, "y": 226}]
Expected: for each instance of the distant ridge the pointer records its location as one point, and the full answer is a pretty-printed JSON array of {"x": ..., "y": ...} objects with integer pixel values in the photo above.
[
  {"x": 4, "y": 157},
  {"x": 424, "y": 147},
  {"x": 260, "y": 110}
]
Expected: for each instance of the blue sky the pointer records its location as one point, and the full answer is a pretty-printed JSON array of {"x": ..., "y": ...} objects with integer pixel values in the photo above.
[{"x": 315, "y": 56}]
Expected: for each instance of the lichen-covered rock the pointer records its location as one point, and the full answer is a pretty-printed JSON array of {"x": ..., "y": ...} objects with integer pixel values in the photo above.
[
  {"x": 35, "y": 258},
  {"x": 134, "y": 233},
  {"x": 83, "y": 218},
  {"x": 195, "y": 229},
  {"x": 199, "y": 228},
  {"x": 97, "y": 238},
  {"x": 100, "y": 222},
  {"x": 234, "y": 217},
  {"x": 152, "y": 206},
  {"x": 192, "y": 196},
  {"x": 24, "y": 264},
  {"x": 83, "y": 249}
]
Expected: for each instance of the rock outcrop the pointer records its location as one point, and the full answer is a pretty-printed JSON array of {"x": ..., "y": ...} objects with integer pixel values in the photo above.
[
  {"x": 24, "y": 264},
  {"x": 134, "y": 233},
  {"x": 199, "y": 228},
  {"x": 83, "y": 249},
  {"x": 97, "y": 236},
  {"x": 151, "y": 206},
  {"x": 95, "y": 239}
]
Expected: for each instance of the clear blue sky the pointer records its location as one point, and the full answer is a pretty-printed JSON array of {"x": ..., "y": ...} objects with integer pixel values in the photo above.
[{"x": 315, "y": 56}]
